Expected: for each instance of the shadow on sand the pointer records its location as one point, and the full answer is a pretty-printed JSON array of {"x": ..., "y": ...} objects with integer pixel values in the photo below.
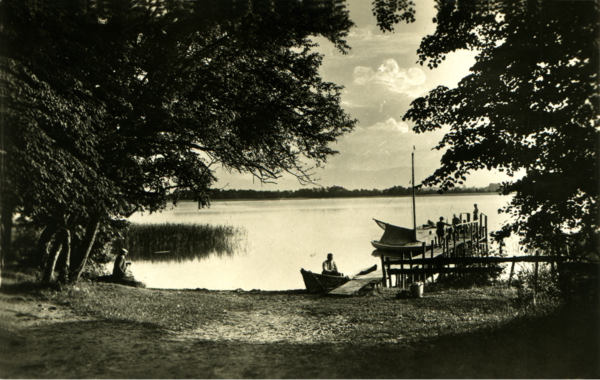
[{"x": 562, "y": 345}]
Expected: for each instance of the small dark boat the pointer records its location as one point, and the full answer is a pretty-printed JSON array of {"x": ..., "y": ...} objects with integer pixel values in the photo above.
[{"x": 322, "y": 283}]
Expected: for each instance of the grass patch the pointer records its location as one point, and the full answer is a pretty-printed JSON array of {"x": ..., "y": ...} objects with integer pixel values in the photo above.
[{"x": 182, "y": 242}]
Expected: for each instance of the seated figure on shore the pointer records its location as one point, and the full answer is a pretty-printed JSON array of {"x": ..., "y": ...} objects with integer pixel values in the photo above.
[
  {"x": 329, "y": 266},
  {"x": 121, "y": 269}
]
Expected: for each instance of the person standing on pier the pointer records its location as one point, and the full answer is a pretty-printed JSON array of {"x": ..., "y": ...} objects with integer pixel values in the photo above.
[
  {"x": 455, "y": 223},
  {"x": 475, "y": 213},
  {"x": 440, "y": 226}
]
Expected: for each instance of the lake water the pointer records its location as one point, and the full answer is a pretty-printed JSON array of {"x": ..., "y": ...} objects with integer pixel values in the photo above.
[{"x": 286, "y": 235}]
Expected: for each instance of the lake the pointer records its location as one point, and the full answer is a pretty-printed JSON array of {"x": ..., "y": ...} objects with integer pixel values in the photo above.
[{"x": 286, "y": 235}]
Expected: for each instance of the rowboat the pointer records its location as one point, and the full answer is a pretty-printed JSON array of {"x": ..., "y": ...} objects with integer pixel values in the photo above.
[
  {"x": 322, "y": 283},
  {"x": 401, "y": 239}
]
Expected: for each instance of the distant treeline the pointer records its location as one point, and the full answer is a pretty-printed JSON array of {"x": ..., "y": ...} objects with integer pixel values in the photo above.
[{"x": 336, "y": 192}]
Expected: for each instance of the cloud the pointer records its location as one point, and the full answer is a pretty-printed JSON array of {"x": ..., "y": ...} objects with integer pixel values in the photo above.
[
  {"x": 389, "y": 74},
  {"x": 380, "y": 146},
  {"x": 362, "y": 75},
  {"x": 391, "y": 125},
  {"x": 364, "y": 33}
]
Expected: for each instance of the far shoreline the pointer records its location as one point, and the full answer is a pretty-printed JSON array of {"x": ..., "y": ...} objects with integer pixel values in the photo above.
[{"x": 378, "y": 196}]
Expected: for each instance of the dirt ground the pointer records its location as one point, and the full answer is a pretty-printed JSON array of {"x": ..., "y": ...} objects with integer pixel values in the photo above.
[{"x": 113, "y": 331}]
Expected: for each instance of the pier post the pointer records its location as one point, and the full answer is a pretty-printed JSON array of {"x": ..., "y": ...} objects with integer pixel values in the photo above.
[
  {"x": 383, "y": 271},
  {"x": 454, "y": 241},
  {"x": 465, "y": 239},
  {"x": 402, "y": 276},
  {"x": 412, "y": 276},
  {"x": 485, "y": 230},
  {"x": 390, "y": 280},
  {"x": 512, "y": 270},
  {"x": 479, "y": 250},
  {"x": 447, "y": 246},
  {"x": 472, "y": 235},
  {"x": 423, "y": 266},
  {"x": 432, "y": 249}
]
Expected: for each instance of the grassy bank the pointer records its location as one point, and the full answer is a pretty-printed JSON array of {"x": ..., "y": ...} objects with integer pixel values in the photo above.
[{"x": 143, "y": 333}]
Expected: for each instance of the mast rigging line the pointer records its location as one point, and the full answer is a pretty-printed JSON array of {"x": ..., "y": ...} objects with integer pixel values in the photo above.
[{"x": 403, "y": 163}]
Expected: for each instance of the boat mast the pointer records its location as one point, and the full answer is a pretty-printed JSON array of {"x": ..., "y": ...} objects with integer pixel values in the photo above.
[{"x": 413, "y": 196}]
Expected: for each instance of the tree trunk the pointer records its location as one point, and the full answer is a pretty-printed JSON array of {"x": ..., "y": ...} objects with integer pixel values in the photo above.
[
  {"x": 43, "y": 245},
  {"x": 66, "y": 253},
  {"x": 52, "y": 258},
  {"x": 6, "y": 225},
  {"x": 86, "y": 247}
]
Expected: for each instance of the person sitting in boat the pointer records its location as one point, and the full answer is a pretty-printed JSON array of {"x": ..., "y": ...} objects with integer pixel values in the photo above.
[
  {"x": 329, "y": 266},
  {"x": 440, "y": 226},
  {"x": 121, "y": 268}
]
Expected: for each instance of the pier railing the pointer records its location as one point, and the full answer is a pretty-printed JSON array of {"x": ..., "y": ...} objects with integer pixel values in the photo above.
[
  {"x": 460, "y": 241},
  {"x": 423, "y": 268},
  {"x": 458, "y": 236}
]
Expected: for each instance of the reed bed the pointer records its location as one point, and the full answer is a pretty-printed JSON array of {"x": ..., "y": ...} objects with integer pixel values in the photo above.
[{"x": 182, "y": 242}]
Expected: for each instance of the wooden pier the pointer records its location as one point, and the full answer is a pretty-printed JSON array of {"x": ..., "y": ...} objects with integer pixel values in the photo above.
[
  {"x": 357, "y": 283},
  {"x": 463, "y": 249},
  {"x": 459, "y": 241}
]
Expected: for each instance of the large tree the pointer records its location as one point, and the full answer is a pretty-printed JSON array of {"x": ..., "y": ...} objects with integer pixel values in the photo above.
[
  {"x": 111, "y": 106},
  {"x": 529, "y": 107}
]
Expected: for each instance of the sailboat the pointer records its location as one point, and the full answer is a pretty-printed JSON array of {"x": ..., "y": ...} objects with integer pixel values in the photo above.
[{"x": 404, "y": 240}]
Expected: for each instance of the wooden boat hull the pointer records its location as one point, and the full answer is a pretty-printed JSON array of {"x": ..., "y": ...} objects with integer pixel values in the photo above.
[
  {"x": 402, "y": 240},
  {"x": 414, "y": 248},
  {"x": 321, "y": 283}
]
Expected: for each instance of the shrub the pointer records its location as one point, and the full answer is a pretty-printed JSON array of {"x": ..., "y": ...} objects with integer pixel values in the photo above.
[
  {"x": 23, "y": 246},
  {"x": 579, "y": 282},
  {"x": 545, "y": 294},
  {"x": 468, "y": 280}
]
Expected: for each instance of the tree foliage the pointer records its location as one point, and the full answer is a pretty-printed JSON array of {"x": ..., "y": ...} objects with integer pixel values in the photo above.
[
  {"x": 530, "y": 105},
  {"x": 110, "y": 107}
]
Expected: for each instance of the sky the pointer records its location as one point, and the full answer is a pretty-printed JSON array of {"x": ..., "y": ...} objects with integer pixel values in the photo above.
[{"x": 381, "y": 78}]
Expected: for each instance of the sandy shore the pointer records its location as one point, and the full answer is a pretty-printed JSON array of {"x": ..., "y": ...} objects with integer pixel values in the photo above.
[{"x": 95, "y": 330}]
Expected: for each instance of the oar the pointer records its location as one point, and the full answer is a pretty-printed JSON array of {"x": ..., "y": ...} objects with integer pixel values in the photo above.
[{"x": 366, "y": 271}]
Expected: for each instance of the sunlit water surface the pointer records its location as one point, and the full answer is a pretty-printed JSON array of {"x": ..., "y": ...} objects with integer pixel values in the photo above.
[{"x": 286, "y": 235}]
